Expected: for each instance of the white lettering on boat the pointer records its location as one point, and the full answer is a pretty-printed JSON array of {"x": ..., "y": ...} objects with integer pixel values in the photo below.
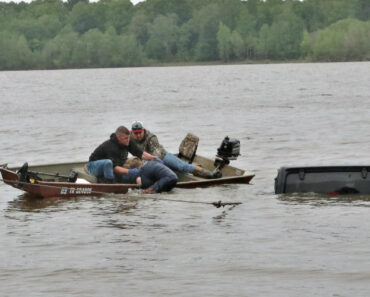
[{"x": 72, "y": 190}]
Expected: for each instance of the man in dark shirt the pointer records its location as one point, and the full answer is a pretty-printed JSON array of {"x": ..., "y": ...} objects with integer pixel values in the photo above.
[
  {"x": 157, "y": 177},
  {"x": 106, "y": 162},
  {"x": 153, "y": 176}
]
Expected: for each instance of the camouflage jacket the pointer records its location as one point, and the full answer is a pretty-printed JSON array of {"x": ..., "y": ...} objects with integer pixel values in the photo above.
[{"x": 150, "y": 144}]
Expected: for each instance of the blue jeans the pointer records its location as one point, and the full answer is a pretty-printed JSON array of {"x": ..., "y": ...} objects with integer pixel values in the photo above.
[
  {"x": 104, "y": 168},
  {"x": 157, "y": 176},
  {"x": 101, "y": 168},
  {"x": 176, "y": 164}
]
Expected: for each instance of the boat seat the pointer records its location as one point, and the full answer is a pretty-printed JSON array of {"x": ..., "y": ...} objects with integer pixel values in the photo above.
[
  {"x": 188, "y": 147},
  {"x": 83, "y": 173}
]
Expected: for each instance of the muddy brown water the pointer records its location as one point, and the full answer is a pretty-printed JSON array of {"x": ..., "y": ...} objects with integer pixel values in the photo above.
[{"x": 129, "y": 245}]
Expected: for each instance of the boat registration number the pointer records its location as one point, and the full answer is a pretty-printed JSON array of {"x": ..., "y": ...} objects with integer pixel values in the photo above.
[{"x": 72, "y": 190}]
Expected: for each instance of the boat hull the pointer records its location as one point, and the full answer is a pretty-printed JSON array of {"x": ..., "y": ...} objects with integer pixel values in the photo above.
[
  {"x": 47, "y": 189},
  {"x": 54, "y": 180}
]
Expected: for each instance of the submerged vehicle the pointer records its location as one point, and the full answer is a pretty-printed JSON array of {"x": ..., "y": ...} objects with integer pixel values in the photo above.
[
  {"x": 72, "y": 179},
  {"x": 331, "y": 180}
]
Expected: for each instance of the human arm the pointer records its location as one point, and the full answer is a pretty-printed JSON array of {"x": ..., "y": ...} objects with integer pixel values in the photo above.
[
  {"x": 130, "y": 176},
  {"x": 136, "y": 151},
  {"x": 120, "y": 170},
  {"x": 146, "y": 156},
  {"x": 155, "y": 148}
]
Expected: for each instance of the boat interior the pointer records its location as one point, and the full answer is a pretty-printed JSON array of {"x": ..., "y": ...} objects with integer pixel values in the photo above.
[{"x": 77, "y": 172}]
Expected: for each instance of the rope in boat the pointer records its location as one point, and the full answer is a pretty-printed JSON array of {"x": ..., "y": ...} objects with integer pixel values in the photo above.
[{"x": 217, "y": 204}]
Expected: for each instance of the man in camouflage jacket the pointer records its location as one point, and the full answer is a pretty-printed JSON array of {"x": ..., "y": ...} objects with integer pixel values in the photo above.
[{"x": 148, "y": 142}]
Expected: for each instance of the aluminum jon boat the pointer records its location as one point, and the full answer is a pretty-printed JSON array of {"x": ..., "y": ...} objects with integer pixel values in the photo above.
[{"x": 66, "y": 180}]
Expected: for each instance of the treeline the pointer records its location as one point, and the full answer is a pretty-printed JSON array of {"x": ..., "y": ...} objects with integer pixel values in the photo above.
[{"x": 47, "y": 34}]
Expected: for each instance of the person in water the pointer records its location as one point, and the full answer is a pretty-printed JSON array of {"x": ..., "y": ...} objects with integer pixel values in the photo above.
[
  {"x": 106, "y": 161},
  {"x": 153, "y": 176},
  {"x": 148, "y": 142}
]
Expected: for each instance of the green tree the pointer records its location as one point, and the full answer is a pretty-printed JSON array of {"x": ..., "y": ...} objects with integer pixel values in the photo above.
[
  {"x": 186, "y": 42},
  {"x": 230, "y": 12},
  {"x": 92, "y": 40},
  {"x": 19, "y": 53},
  {"x": 58, "y": 52},
  {"x": 247, "y": 24},
  {"x": 247, "y": 27},
  {"x": 79, "y": 58},
  {"x": 265, "y": 43},
  {"x": 238, "y": 45},
  {"x": 85, "y": 17},
  {"x": 70, "y": 3},
  {"x": 206, "y": 22},
  {"x": 345, "y": 40},
  {"x": 155, "y": 8},
  {"x": 224, "y": 43},
  {"x": 163, "y": 38},
  {"x": 283, "y": 38},
  {"x": 6, "y": 49},
  {"x": 318, "y": 14},
  {"x": 110, "y": 33},
  {"x": 119, "y": 14},
  {"x": 139, "y": 27},
  {"x": 132, "y": 53},
  {"x": 267, "y": 11},
  {"x": 362, "y": 9},
  {"x": 23, "y": 54},
  {"x": 39, "y": 8},
  {"x": 307, "y": 41}
]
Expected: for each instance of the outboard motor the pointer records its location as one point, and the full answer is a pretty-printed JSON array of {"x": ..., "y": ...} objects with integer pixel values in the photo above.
[
  {"x": 23, "y": 175},
  {"x": 228, "y": 150},
  {"x": 73, "y": 175}
]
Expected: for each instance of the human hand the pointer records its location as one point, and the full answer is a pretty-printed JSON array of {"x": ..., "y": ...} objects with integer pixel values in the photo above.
[
  {"x": 135, "y": 172},
  {"x": 149, "y": 191}
]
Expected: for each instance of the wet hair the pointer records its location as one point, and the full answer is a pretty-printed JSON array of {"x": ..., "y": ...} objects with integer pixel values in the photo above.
[
  {"x": 122, "y": 130},
  {"x": 134, "y": 162}
]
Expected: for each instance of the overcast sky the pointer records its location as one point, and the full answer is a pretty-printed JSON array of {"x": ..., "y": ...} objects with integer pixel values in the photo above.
[{"x": 28, "y": 1}]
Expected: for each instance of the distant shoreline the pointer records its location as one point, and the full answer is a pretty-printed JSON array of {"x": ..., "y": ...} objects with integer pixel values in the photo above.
[{"x": 207, "y": 63}]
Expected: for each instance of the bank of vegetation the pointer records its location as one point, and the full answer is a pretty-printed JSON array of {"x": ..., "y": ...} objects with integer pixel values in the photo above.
[{"x": 52, "y": 34}]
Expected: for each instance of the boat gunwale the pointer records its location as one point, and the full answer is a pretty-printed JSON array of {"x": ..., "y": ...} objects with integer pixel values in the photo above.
[{"x": 190, "y": 182}]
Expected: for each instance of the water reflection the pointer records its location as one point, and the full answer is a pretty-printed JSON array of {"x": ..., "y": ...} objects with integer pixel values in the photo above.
[
  {"x": 324, "y": 200},
  {"x": 222, "y": 216},
  {"x": 118, "y": 224},
  {"x": 30, "y": 203}
]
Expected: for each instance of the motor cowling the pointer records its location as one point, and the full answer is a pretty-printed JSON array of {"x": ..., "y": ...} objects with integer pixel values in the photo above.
[{"x": 228, "y": 150}]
